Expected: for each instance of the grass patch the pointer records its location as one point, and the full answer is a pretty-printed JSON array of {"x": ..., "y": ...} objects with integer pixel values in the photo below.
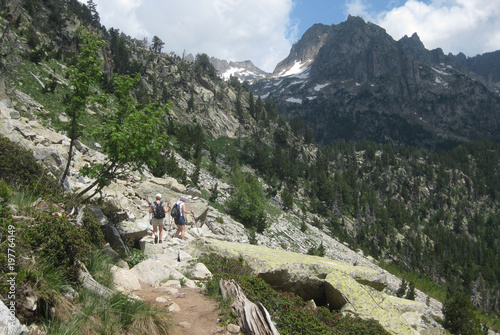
[
  {"x": 99, "y": 266},
  {"x": 118, "y": 315},
  {"x": 24, "y": 80},
  {"x": 23, "y": 201},
  {"x": 425, "y": 285}
]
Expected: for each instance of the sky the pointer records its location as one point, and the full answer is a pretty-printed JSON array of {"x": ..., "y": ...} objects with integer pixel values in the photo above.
[{"x": 263, "y": 31}]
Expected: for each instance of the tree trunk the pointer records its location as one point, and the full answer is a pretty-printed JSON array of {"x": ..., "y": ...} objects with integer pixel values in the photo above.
[
  {"x": 252, "y": 318},
  {"x": 68, "y": 164},
  {"x": 90, "y": 284},
  {"x": 3, "y": 94}
]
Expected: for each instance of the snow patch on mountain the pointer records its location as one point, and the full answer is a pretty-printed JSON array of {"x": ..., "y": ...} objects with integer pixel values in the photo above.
[
  {"x": 297, "y": 68},
  {"x": 440, "y": 71},
  {"x": 234, "y": 71},
  {"x": 319, "y": 87},
  {"x": 294, "y": 100}
]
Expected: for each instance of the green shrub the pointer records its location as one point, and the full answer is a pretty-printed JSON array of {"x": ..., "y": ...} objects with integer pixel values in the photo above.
[
  {"x": 159, "y": 166},
  {"x": 319, "y": 251},
  {"x": 20, "y": 170},
  {"x": 58, "y": 238},
  {"x": 350, "y": 325},
  {"x": 220, "y": 264},
  {"x": 5, "y": 192},
  {"x": 16, "y": 163},
  {"x": 134, "y": 256},
  {"x": 111, "y": 211}
]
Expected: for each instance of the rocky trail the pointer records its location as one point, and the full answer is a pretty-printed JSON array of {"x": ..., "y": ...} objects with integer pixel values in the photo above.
[{"x": 193, "y": 313}]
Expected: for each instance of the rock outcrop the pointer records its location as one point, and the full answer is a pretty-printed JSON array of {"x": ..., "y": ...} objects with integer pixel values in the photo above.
[{"x": 352, "y": 289}]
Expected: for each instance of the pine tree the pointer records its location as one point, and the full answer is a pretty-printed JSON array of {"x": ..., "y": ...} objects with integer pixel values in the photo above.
[
  {"x": 251, "y": 103},
  {"x": 459, "y": 315},
  {"x": 157, "y": 44},
  {"x": 402, "y": 289},
  {"x": 410, "y": 295}
]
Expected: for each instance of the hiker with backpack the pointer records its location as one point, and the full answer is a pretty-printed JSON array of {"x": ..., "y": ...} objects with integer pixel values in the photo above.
[
  {"x": 158, "y": 209},
  {"x": 178, "y": 211}
]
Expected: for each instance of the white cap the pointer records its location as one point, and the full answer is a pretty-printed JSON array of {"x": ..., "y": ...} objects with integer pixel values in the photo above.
[
  {"x": 158, "y": 196},
  {"x": 183, "y": 198}
]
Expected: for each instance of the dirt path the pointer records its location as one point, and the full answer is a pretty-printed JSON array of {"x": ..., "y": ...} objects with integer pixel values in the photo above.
[{"x": 197, "y": 313}]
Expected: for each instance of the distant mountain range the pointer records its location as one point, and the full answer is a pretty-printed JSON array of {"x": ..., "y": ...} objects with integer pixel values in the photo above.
[
  {"x": 352, "y": 81},
  {"x": 244, "y": 71}
]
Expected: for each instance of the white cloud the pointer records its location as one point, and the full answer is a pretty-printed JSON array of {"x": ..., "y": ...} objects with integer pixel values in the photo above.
[
  {"x": 468, "y": 26},
  {"x": 359, "y": 8},
  {"x": 235, "y": 30},
  {"x": 120, "y": 14}
]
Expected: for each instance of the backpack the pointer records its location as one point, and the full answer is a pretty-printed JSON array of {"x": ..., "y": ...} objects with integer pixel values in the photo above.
[
  {"x": 158, "y": 211},
  {"x": 176, "y": 211}
]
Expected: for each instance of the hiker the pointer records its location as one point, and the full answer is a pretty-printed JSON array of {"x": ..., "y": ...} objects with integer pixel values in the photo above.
[
  {"x": 158, "y": 209},
  {"x": 180, "y": 222}
]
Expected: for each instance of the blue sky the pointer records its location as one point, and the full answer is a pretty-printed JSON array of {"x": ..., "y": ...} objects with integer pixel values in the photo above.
[
  {"x": 309, "y": 12},
  {"x": 263, "y": 31}
]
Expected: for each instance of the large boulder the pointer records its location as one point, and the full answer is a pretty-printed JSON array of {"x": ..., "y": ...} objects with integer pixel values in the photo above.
[
  {"x": 152, "y": 272},
  {"x": 9, "y": 324},
  {"x": 125, "y": 280},
  {"x": 111, "y": 233},
  {"x": 135, "y": 229},
  {"x": 351, "y": 289}
]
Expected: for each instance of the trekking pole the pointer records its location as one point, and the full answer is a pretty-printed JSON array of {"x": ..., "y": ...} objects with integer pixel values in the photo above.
[
  {"x": 151, "y": 219},
  {"x": 169, "y": 224}
]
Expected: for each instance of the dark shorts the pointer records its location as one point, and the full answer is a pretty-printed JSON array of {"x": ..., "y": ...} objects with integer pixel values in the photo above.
[{"x": 180, "y": 221}]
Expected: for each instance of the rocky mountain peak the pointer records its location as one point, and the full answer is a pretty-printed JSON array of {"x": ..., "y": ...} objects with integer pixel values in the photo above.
[
  {"x": 414, "y": 41},
  {"x": 355, "y": 20},
  {"x": 357, "y": 77},
  {"x": 355, "y": 49},
  {"x": 304, "y": 51}
]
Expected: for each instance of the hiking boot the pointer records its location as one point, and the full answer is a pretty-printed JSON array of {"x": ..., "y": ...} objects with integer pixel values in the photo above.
[{"x": 156, "y": 239}]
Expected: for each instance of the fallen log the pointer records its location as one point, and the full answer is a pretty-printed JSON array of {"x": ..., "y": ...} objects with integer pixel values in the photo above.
[
  {"x": 38, "y": 80},
  {"x": 90, "y": 284},
  {"x": 252, "y": 318}
]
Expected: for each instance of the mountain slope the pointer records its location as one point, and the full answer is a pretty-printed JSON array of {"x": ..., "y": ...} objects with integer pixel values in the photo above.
[{"x": 363, "y": 85}]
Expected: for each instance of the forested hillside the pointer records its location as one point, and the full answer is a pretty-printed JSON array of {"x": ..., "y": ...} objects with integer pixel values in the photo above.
[{"x": 435, "y": 214}]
